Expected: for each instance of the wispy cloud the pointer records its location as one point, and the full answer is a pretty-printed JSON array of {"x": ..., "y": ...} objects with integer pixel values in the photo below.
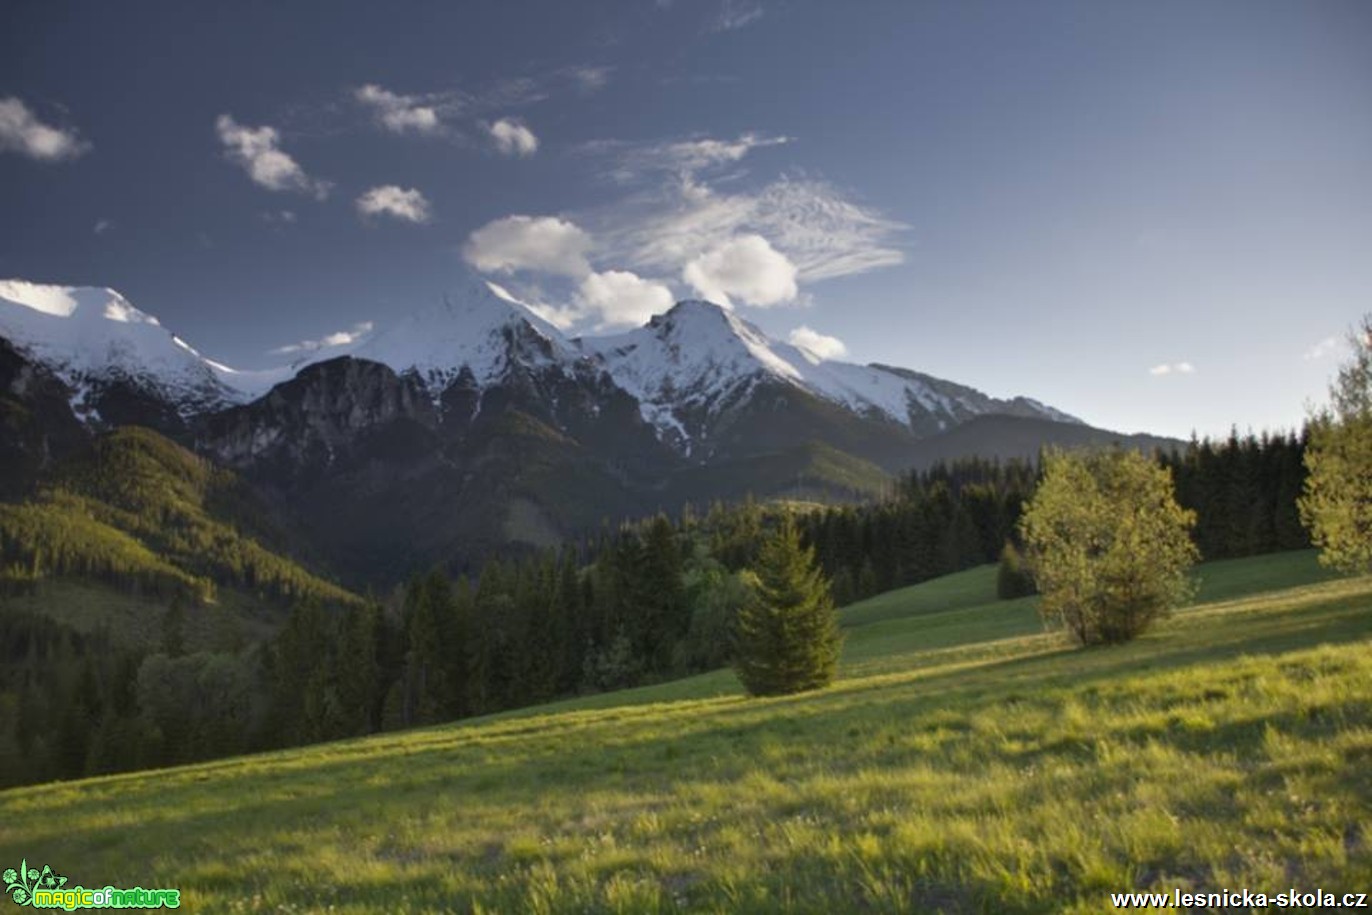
[
  {"x": 405, "y": 204},
  {"x": 513, "y": 138},
  {"x": 103, "y": 225},
  {"x": 818, "y": 229},
  {"x": 589, "y": 78},
  {"x": 460, "y": 113},
  {"x": 735, "y": 14},
  {"x": 257, "y": 150},
  {"x": 329, "y": 341},
  {"x": 630, "y": 163},
  {"x": 22, "y": 132},
  {"x": 747, "y": 247},
  {"x": 1173, "y": 368},
  {"x": 678, "y": 208},
  {"x": 278, "y": 217},
  {"x": 1325, "y": 348}
]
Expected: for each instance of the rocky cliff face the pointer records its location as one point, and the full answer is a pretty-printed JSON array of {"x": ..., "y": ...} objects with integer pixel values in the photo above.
[
  {"x": 318, "y": 419},
  {"x": 389, "y": 472}
]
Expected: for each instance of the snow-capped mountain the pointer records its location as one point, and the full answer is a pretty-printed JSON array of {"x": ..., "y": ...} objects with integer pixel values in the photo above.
[
  {"x": 473, "y": 333},
  {"x": 698, "y": 360},
  {"x": 686, "y": 369},
  {"x": 94, "y": 339},
  {"x": 473, "y": 423}
]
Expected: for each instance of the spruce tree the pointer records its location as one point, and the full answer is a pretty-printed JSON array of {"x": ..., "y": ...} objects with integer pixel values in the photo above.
[{"x": 786, "y": 633}]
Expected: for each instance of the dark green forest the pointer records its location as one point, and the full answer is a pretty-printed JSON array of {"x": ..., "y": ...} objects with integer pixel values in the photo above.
[{"x": 636, "y": 603}]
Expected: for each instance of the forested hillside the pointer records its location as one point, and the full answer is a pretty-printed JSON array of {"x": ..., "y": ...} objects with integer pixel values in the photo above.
[
  {"x": 631, "y": 604},
  {"x": 143, "y": 514}
]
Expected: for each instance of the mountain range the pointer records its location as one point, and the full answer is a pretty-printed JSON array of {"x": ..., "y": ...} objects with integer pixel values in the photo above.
[{"x": 474, "y": 424}]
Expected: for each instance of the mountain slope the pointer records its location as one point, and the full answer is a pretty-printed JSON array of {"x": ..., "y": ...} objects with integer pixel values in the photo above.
[
  {"x": 121, "y": 364},
  {"x": 699, "y": 360},
  {"x": 473, "y": 424},
  {"x": 387, "y": 480},
  {"x": 474, "y": 336},
  {"x": 138, "y": 512}
]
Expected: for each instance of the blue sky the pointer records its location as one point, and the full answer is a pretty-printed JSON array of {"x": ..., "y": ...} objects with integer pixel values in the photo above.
[{"x": 1157, "y": 216}]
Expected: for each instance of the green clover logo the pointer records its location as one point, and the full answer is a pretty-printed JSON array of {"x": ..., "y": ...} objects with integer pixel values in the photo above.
[{"x": 21, "y": 883}]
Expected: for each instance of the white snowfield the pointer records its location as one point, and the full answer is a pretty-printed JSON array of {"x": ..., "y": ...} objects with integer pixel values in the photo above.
[
  {"x": 692, "y": 361},
  {"x": 698, "y": 353},
  {"x": 471, "y": 330}
]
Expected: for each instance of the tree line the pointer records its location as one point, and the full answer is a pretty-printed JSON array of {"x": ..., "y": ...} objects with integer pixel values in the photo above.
[{"x": 635, "y": 604}]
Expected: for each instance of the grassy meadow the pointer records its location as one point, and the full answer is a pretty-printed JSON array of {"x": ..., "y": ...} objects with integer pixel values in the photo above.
[{"x": 966, "y": 761}]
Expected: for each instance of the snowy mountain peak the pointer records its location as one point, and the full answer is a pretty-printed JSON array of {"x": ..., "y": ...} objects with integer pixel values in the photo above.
[
  {"x": 475, "y": 329},
  {"x": 92, "y": 336},
  {"x": 699, "y": 359},
  {"x": 687, "y": 368}
]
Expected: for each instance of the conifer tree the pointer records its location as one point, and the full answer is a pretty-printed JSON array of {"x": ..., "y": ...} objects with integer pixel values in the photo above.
[{"x": 786, "y": 633}]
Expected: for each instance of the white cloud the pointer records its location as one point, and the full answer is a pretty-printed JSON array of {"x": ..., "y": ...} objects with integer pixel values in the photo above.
[
  {"x": 21, "y": 132},
  {"x": 682, "y": 159},
  {"x": 278, "y": 217},
  {"x": 590, "y": 79},
  {"x": 821, "y": 232},
  {"x": 825, "y": 234},
  {"x": 103, "y": 225},
  {"x": 543, "y": 243},
  {"x": 678, "y": 212},
  {"x": 746, "y": 266},
  {"x": 735, "y": 14},
  {"x": 513, "y": 138},
  {"x": 255, "y": 148},
  {"x": 1173, "y": 368},
  {"x": 398, "y": 113},
  {"x": 821, "y": 345},
  {"x": 754, "y": 248},
  {"x": 618, "y": 298},
  {"x": 404, "y": 204},
  {"x": 1326, "y": 347},
  {"x": 329, "y": 341}
]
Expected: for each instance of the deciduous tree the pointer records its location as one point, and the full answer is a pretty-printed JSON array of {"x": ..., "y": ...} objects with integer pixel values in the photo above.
[
  {"x": 1336, "y": 506},
  {"x": 1108, "y": 545}
]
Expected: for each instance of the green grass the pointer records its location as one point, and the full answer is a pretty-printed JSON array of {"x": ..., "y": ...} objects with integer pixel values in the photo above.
[{"x": 965, "y": 761}]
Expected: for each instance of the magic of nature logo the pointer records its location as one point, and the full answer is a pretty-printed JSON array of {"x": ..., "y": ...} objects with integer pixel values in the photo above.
[{"x": 44, "y": 888}]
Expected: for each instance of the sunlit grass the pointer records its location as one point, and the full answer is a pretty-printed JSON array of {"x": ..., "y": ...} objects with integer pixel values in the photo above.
[{"x": 965, "y": 761}]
